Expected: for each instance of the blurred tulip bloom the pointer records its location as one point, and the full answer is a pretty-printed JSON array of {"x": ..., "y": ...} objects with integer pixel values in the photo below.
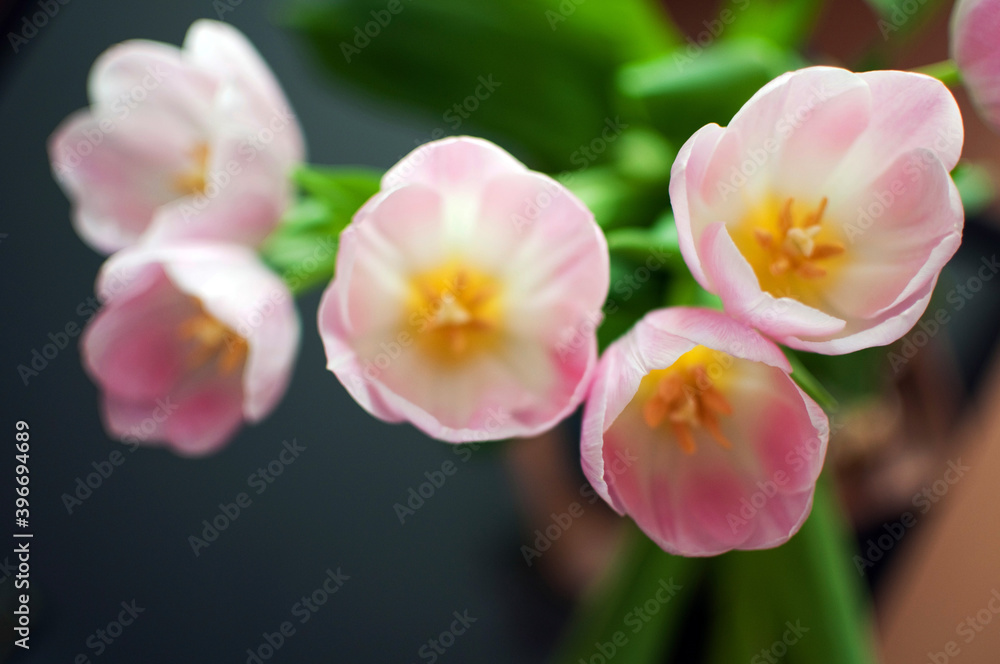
[
  {"x": 466, "y": 296},
  {"x": 172, "y": 133},
  {"x": 200, "y": 338},
  {"x": 695, "y": 429},
  {"x": 823, "y": 214},
  {"x": 975, "y": 47}
]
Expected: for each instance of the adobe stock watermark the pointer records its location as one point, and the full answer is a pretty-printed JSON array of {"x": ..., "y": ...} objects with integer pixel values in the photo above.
[
  {"x": 112, "y": 116},
  {"x": 923, "y": 501},
  {"x": 302, "y": 271},
  {"x": 222, "y": 177},
  {"x": 704, "y": 39},
  {"x": 794, "y": 462},
  {"x": 85, "y": 311},
  {"x": 418, "y": 495},
  {"x": 30, "y": 25},
  {"x": 104, "y": 638},
  {"x": 637, "y": 618},
  {"x": 562, "y": 521},
  {"x": 439, "y": 645},
  {"x": 881, "y": 201},
  {"x": 223, "y": 7},
  {"x": 363, "y": 35},
  {"x": 625, "y": 287},
  {"x": 454, "y": 117},
  {"x": 902, "y": 12},
  {"x": 777, "y": 650},
  {"x": 260, "y": 480},
  {"x": 757, "y": 157},
  {"x": 303, "y": 610},
  {"x": 971, "y": 627},
  {"x": 931, "y": 324},
  {"x": 566, "y": 9}
]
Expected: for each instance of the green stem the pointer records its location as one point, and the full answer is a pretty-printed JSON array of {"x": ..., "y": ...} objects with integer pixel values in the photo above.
[
  {"x": 607, "y": 618},
  {"x": 945, "y": 71},
  {"x": 809, "y": 585}
]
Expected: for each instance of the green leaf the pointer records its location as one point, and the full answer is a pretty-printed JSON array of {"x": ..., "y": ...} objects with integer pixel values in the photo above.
[
  {"x": 806, "y": 595},
  {"x": 687, "y": 89},
  {"x": 787, "y": 23},
  {"x": 849, "y": 378},
  {"x": 975, "y": 185},
  {"x": 303, "y": 249},
  {"x": 810, "y": 384},
  {"x": 607, "y": 617},
  {"x": 538, "y": 72},
  {"x": 639, "y": 242}
]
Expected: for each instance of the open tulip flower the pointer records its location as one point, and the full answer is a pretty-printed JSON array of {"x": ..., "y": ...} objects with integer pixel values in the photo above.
[
  {"x": 466, "y": 296},
  {"x": 975, "y": 48},
  {"x": 174, "y": 133},
  {"x": 695, "y": 429},
  {"x": 195, "y": 339},
  {"x": 823, "y": 214}
]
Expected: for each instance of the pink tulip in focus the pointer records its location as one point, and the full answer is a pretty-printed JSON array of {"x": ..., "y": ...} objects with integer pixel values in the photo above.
[
  {"x": 466, "y": 296},
  {"x": 192, "y": 143},
  {"x": 195, "y": 340},
  {"x": 975, "y": 47},
  {"x": 823, "y": 214},
  {"x": 695, "y": 429}
]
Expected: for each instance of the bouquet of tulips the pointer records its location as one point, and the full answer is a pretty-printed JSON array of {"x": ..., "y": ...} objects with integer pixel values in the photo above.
[{"x": 689, "y": 223}]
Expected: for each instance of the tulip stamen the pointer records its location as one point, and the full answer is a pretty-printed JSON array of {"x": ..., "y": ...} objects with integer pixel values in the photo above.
[
  {"x": 455, "y": 311},
  {"x": 194, "y": 180},
  {"x": 686, "y": 398},
  {"x": 796, "y": 246},
  {"x": 212, "y": 340}
]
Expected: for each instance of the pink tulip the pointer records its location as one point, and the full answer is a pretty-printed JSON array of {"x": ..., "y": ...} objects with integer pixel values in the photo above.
[
  {"x": 695, "y": 429},
  {"x": 192, "y": 143},
  {"x": 466, "y": 296},
  {"x": 823, "y": 214},
  {"x": 193, "y": 340},
  {"x": 975, "y": 47}
]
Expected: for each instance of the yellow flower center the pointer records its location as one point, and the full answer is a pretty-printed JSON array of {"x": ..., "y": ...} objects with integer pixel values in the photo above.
[
  {"x": 792, "y": 252},
  {"x": 194, "y": 180},
  {"x": 684, "y": 397},
  {"x": 212, "y": 341},
  {"x": 455, "y": 312}
]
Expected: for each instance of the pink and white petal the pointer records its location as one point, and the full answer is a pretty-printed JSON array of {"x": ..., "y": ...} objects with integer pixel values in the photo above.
[
  {"x": 205, "y": 416},
  {"x": 119, "y": 178},
  {"x": 910, "y": 111},
  {"x": 736, "y": 284},
  {"x": 219, "y": 48},
  {"x": 246, "y": 194},
  {"x": 616, "y": 380},
  {"x": 144, "y": 73},
  {"x": 816, "y": 144},
  {"x": 408, "y": 231},
  {"x": 888, "y": 327},
  {"x": 238, "y": 290},
  {"x": 974, "y": 26},
  {"x": 461, "y": 164},
  {"x": 547, "y": 249},
  {"x": 706, "y": 327},
  {"x": 782, "y": 113},
  {"x": 687, "y": 180},
  {"x": 894, "y": 253},
  {"x": 131, "y": 347},
  {"x": 132, "y": 421}
]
